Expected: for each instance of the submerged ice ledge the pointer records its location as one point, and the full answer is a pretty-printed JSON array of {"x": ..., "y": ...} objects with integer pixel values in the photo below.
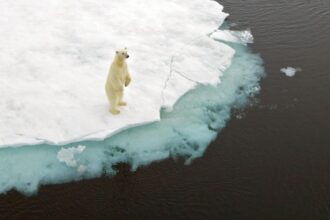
[
  {"x": 242, "y": 37},
  {"x": 53, "y": 73}
]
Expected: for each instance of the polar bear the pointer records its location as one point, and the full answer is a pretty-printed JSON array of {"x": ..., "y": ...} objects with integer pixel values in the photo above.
[{"x": 118, "y": 77}]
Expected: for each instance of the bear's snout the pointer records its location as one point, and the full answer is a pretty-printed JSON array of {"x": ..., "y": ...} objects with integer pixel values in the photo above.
[{"x": 127, "y": 56}]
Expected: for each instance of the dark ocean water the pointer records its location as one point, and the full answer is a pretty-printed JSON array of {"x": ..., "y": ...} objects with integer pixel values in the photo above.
[{"x": 272, "y": 164}]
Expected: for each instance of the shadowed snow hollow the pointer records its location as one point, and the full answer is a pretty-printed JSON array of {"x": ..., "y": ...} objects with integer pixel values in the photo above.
[{"x": 54, "y": 72}]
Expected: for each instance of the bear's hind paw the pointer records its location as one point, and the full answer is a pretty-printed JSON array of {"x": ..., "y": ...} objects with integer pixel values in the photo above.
[{"x": 114, "y": 111}]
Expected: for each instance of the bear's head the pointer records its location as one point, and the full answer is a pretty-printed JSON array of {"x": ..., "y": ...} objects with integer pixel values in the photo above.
[{"x": 122, "y": 53}]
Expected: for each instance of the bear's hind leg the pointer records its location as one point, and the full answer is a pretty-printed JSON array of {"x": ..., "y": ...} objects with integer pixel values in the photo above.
[
  {"x": 121, "y": 102},
  {"x": 113, "y": 100},
  {"x": 113, "y": 106}
]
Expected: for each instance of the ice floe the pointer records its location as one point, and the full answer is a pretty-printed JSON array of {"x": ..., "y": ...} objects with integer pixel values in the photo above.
[{"x": 55, "y": 57}]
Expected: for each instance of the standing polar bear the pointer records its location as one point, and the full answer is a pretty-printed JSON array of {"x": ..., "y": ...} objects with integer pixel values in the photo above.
[{"x": 118, "y": 77}]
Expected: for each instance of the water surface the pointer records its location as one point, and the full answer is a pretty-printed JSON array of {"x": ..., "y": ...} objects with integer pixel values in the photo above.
[{"x": 273, "y": 163}]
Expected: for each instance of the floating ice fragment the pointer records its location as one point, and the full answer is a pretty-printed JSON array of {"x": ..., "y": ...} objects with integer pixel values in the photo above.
[
  {"x": 67, "y": 156},
  {"x": 290, "y": 71}
]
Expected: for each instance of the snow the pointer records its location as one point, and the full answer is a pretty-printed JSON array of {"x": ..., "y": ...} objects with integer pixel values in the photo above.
[
  {"x": 290, "y": 71},
  {"x": 55, "y": 57}
]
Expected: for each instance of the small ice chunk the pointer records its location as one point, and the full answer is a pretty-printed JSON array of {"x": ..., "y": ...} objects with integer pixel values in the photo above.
[
  {"x": 242, "y": 37},
  {"x": 81, "y": 169},
  {"x": 67, "y": 156},
  {"x": 290, "y": 71}
]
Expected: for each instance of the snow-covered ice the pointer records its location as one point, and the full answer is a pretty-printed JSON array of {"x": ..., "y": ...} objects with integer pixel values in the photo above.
[
  {"x": 290, "y": 71},
  {"x": 55, "y": 57},
  {"x": 53, "y": 63}
]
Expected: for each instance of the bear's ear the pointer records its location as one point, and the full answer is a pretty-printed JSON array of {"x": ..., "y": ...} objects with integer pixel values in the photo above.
[
  {"x": 117, "y": 52},
  {"x": 125, "y": 48}
]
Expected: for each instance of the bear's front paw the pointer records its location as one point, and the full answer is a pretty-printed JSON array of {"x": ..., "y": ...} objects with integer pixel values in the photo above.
[
  {"x": 114, "y": 111},
  {"x": 122, "y": 103},
  {"x": 127, "y": 82}
]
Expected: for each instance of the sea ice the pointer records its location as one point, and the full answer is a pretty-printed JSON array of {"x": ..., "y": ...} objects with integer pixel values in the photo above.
[
  {"x": 184, "y": 132},
  {"x": 59, "y": 72}
]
